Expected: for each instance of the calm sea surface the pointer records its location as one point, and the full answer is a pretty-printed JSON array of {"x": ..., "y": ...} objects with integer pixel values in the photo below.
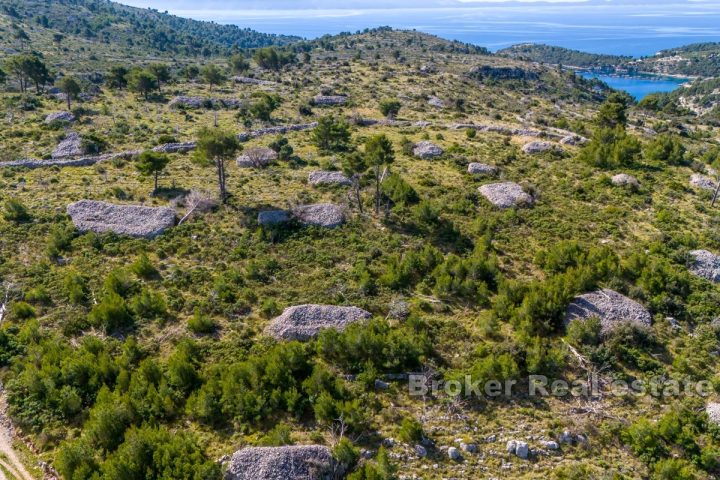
[{"x": 639, "y": 86}]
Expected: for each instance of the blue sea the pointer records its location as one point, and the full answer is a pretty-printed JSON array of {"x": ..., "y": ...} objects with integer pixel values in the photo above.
[{"x": 639, "y": 86}]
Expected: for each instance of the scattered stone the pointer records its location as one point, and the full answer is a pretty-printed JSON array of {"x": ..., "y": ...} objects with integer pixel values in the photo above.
[
  {"x": 330, "y": 100},
  {"x": 703, "y": 182},
  {"x": 420, "y": 451},
  {"x": 706, "y": 265},
  {"x": 566, "y": 437},
  {"x": 536, "y": 147},
  {"x": 60, "y": 117},
  {"x": 550, "y": 445},
  {"x": 491, "y": 439},
  {"x": 191, "y": 102},
  {"x": 257, "y": 157},
  {"x": 482, "y": 169},
  {"x": 303, "y": 322},
  {"x": 132, "y": 220},
  {"x": 468, "y": 447},
  {"x": 436, "y": 102},
  {"x": 380, "y": 385},
  {"x": 625, "y": 180},
  {"x": 311, "y": 462},
  {"x": 328, "y": 178},
  {"x": 76, "y": 162},
  {"x": 518, "y": 448},
  {"x": 427, "y": 150},
  {"x": 713, "y": 411},
  {"x": 454, "y": 454},
  {"x": 388, "y": 442},
  {"x": 422, "y": 124},
  {"x": 273, "y": 217},
  {"x": 610, "y": 307},
  {"x": 71, "y": 146},
  {"x": 320, "y": 215},
  {"x": 505, "y": 195}
]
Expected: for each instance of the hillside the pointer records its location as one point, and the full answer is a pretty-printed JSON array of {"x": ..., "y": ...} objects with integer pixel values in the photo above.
[
  {"x": 699, "y": 60},
  {"x": 102, "y": 27},
  {"x": 562, "y": 56},
  {"x": 286, "y": 236}
]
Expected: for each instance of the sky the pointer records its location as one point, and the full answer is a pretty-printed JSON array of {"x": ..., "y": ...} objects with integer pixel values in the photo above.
[{"x": 630, "y": 27}]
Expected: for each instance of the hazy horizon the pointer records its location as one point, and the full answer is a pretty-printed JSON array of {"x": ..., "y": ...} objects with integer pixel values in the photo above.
[{"x": 599, "y": 26}]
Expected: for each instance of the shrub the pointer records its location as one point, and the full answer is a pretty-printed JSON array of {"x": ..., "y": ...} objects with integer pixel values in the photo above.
[
  {"x": 111, "y": 313},
  {"x": 666, "y": 149},
  {"x": 200, "y": 323},
  {"x": 143, "y": 268},
  {"x": 611, "y": 148},
  {"x": 411, "y": 431},
  {"x": 14, "y": 211},
  {"x": 148, "y": 305},
  {"x": 390, "y": 107},
  {"x": 22, "y": 311},
  {"x": 277, "y": 437},
  {"x": 399, "y": 191},
  {"x": 76, "y": 288}
]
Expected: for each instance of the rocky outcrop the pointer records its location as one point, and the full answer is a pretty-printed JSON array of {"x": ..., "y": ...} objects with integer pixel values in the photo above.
[
  {"x": 325, "y": 215},
  {"x": 436, "y": 102},
  {"x": 522, "y": 132},
  {"x": 71, "y": 146},
  {"x": 131, "y": 220},
  {"x": 306, "y": 462},
  {"x": 482, "y": 169},
  {"x": 611, "y": 307},
  {"x": 702, "y": 182},
  {"x": 303, "y": 322},
  {"x": 427, "y": 150},
  {"x": 625, "y": 180},
  {"x": 505, "y": 195},
  {"x": 60, "y": 117},
  {"x": 328, "y": 178},
  {"x": 534, "y": 148},
  {"x": 329, "y": 100},
  {"x": 706, "y": 265}
]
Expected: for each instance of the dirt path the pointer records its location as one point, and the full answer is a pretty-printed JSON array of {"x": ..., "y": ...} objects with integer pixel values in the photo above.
[{"x": 9, "y": 459}]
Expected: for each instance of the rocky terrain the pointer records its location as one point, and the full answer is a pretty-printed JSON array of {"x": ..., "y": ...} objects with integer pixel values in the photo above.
[{"x": 242, "y": 270}]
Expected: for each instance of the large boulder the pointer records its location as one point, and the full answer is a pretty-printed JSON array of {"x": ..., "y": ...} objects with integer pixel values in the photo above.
[
  {"x": 536, "y": 147},
  {"x": 257, "y": 157},
  {"x": 573, "y": 140},
  {"x": 427, "y": 150},
  {"x": 625, "y": 180},
  {"x": 60, "y": 117},
  {"x": 482, "y": 169},
  {"x": 71, "y": 146},
  {"x": 611, "y": 307},
  {"x": 702, "y": 182},
  {"x": 306, "y": 462},
  {"x": 328, "y": 178},
  {"x": 505, "y": 194},
  {"x": 131, "y": 220},
  {"x": 713, "y": 411},
  {"x": 303, "y": 322},
  {"x": 706, "y": 265},
  {"x": 320, "y": 215}
]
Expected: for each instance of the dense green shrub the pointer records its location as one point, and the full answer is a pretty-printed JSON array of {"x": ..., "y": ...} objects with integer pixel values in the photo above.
[
  {"x": 411, "y": 431},
  {"x": 110, "y": 314},
  {"x": 14, "y": 211}
]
